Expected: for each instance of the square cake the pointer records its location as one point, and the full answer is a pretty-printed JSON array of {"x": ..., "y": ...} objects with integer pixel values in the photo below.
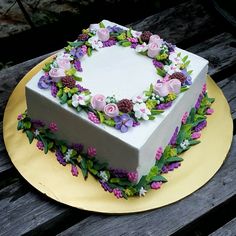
[{"x": 125, "y": 96}]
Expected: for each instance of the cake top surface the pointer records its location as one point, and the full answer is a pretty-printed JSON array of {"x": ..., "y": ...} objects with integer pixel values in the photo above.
[{"x": 122, "y": 72}]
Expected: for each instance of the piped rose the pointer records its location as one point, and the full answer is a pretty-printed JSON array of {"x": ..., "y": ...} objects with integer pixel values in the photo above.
[
  {"x": 174, "y": 86},
  {"x": 161, "y": 89},
  {"x": 111, "y": 110},
  {"x": 56, "y": 74},
  {"x": 153, "y": 50},
  {"x": 103, "y": 34},
  {"x": 98, "y": 102},
  {"x": 63, "y": 63},
  {"x": 155, "y": 39}
]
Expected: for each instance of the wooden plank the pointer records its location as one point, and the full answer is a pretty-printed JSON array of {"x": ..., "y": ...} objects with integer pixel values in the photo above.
[
  {"x": 25, "y": 210},
  {"x": 169, "y": 219},
  {"x": 228, "y": 229},
  {"x": 220, "y": 51},
  {"x": 184, "y": 24}
]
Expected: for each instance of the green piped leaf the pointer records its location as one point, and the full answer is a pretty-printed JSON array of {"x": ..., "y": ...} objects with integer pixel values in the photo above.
[
  {"x": 101, "y": 25},
  {"x": 89, "y": 51},
  {"x": 161, "y": 72},
  {"x": 30, "y": 136},
  {"x": 159, "y": 178},
  {"x": 156, "y": 112},
  {"x": 109, "y": 122},
  {"x": 173, "y": 159},
  {"x": 185, "y": 58},
  {"x": 101, "y": 116},
  {"x": 76, "y": 44}
]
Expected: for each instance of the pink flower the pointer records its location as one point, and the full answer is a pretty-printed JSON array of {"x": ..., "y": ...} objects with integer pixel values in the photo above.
[
  {"x": 156, "y": 185},
  {"x": 166, "y": 78},
  {"x": 133, "y": 176},
  {"x": 174, "y": 86},
  {"x": 161, "y": 89},
  {"x": 155, "y": 39},
  {"x": 74, "y": 170},
  {"x": 84, "y": 49},
  {"x": 93, "y": 118},
  {"x": 159, "y": 153},
  {"x": 56, "y": 74},
  {"x": 53, "y": 126},
  {"x": 63, "y": 63},
  {"x": 184, "y": 118},
  {"x": 132, "y": 40},
  {"x": 98, "y": 102},
  {"x": 153, "y": 50},
  {"x": 103, "y": 34},
  {"x": 195, "y": 135},
  {"x": 40, "y": 145},
  {"x": 117, "y": 192},
  {"x": 19, "y": 117},
  {"x": 91, "y": 151},
  {"x": 209, "y": 111},
  {"x": 204, "y": 88},
  {"x": 111, "y": 110}
]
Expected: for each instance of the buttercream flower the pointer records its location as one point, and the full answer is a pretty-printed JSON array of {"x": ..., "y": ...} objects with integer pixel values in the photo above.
[
  {"x": 103, "y": 34},
  {"x": 209, "y": 111},
  {"x": 111, "y": 110},
  {"x": 161, "y": 89},
  {"x": 136, "y": 34},
  {"x": 98, "y": 102},
  {"x": 156, "y": 185},
  {"x": 117, "y": 192},
  {"x": 175, "y": 58},
  {"x": 45, "y": 81},
  {"x": 53, "y": 127},
  {"x": 63, "y": 63},
  {"x": 155, "y": 39},
  {"x": 153, "y": 50},
  {"x": 139, "y": 98},
  {"x": 195, "y": 135},
  {"x": 133, "y": 176},
  {"x": 19, "y": 117},
  {"x": 56, "y": 74},
  {"x": 174, "y": 86},
  {"x": 36, "y": 132},
  {"x": 74, "y": 170},
  {"x": 142, "y": 192},
  {"x": 184, "y": 144},
  {"x": 95, "y": 43},
  {"x": 141, "y": 48},
  {"x": 40, "y": 145},
  {"x": 171, "y": 69},
  {"x": 123, "y": 122},
  {"x": 68, "y": 155},
  {"x": 94, "y": 27},
  {"x": 81, "y": 99},
  {"x": 91, "y": 151},
  {"x": 103, "y": 175},
  {"x": 65, "y": 56},
  {"x": 141, "y": 111}
]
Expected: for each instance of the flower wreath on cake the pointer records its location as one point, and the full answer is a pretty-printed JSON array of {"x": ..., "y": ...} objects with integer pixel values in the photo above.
[{"x": 62, "y": 77}]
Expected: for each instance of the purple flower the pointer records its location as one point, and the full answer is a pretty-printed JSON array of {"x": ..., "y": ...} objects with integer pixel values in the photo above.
[
  {"x": 54, "y": 90},
  {"x": 60, "y": 158},
  {"x": 136, "y": 123},
  {"x": 77, "y": 65},
  {"x": 40, "y": 145},
  {"x": 174, "y": 136},
  {"x": 133, "y": 176},
  {"x": 123, "y": 122},
  {"x": 200, "y": 126},
  {"x": 117, "y": 192},
  {"x": 157, "y": 64},
  {"x": 80, "y": 88},
  {"x": 198, "y": 103},
  {"x": 105, "y": 186},
  {"x": 109, "y": 43},
  {"x": 164, "y": 106},
  {"x": 53, "y": 127},
  {"x": 74, "y": 170},
  {"x": 91, "y": 151},
  {"x": 44, "y": 81},
  {"x": 118, "y": 173},
  {"x": 188, "y": 80},
  {"x": 38, "y": 123},
  {"x": 134, "y": 45},
  {"x": 170, "y": 46},
  {"x": 19, "y": 117},
  {"x": 156, "y": 185},
  {"x": 78, "y": 147},
  {"x": 114, "y": 29}
]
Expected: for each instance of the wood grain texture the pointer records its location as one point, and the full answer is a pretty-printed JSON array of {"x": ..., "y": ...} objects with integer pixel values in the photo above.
[
  {"x": 228, "y": 229},
  {"x": 185, "y": 23},
  {"x": 169, "y": 219}
]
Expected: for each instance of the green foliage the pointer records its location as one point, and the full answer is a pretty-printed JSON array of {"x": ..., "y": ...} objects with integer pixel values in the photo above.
[
  {"x": 30, "y": 136},
  {"x": 161, "y": 72},
  {"x": 76, "y": 44},
  {"x": 173, "y": 159}
]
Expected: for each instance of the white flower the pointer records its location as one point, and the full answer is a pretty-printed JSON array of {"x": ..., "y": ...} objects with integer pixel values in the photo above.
[
  {"x": 171, "y": 69},
  {"x": 36, "y": 132},
  {"x": 184, "y": 144},
  {"x": 68, "y": 155},
  {"x": 142, "y": 192},
  {"x": 103, "y": 175},
  {"x": 162, "y": 99},
  {"x": 136, "y": 34},
  {"x": 80, "y": 99},
  {"x": 66, "y": 56},
  {"x": 141, "y": 111},
  {"x": 95, "y": 43},
  {"x": 141, "y": 48},
  {"x": 139, "y": 98}
]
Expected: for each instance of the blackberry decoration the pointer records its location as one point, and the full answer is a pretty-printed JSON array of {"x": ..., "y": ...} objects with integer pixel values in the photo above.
[
  {"x": 83, "y": 37},
  {"x": 68, "y": 82},
  {"x": 145, "y": 36},
  {"x": 125, "y": 105},
  {"x": 178, "y": 75}
]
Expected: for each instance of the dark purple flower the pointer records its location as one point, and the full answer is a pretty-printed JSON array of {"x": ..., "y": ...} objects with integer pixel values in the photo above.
[
  {"x": 109, "y": 43},
  {"x": 38, "y": 123},
  {"x": 79, "y": 53},
  {"x": 198, "y": 103},
  {"x": 174, "y": 136},
  {"x": 134, "y": 45},
  {"x": 74, "y": 170},
  {"x": 78, "y": 147},
  {"x": 105, "y": 186},
  {"x": 136, "y": 123},
  {"x": 170, "y": 46},
  {"x": 123, "y": 122},
  {"x": 200, "y": 126},
  {"x": 40, "y": 145},
  {"x": 73, "y": 52},
  {"x": 60, "y": 157},
  {"x": 157, "y": 64},
  {"x": 188, "y": 80},
  {"x": 44, "y": 81},
  {"x": 81, "y": 89},
  {"x": 77, "y": 65},
  {"x": 164, "y": 106},
  {"x": 115, "y": 29},
  {"x": 117, "y": 192},
  {"x": 19, "y": 117},
  {"x": 53, "y": 127},
  {"x": 118, "y": 173},
  {"x": 54, "y": 90}
]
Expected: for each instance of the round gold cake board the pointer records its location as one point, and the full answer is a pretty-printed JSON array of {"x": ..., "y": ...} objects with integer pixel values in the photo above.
[{"x": 42, "y": 171}]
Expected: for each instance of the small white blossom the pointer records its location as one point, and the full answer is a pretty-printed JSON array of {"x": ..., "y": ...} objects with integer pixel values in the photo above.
[
  {"x": 142, "y": 192},
  {"x": 36, "y": 132},
  {"x": 95, "y": 43},
  {"x": 136, "y": 34},
  {"x": 68, "y": 155},
  {"x": 171, "y": 69},
  {"x": 162, "y": 99},
  {"x": 139, "y": 98},
  {"x": 141, "y": 48},
  {"x": 103, "y": 175},
  {"x": 141, "y": 111},
  {"x": 80, "y": 99},
  {"x": 184, "y": 144},
  {"x": 66, "y": 56}
]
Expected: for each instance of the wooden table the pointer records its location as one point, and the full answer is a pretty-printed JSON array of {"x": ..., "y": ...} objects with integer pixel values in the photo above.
[{"x": 210, "y": 210}]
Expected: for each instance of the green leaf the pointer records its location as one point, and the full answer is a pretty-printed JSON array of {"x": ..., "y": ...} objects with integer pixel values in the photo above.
[
  {"x": 173, "y": 159},
  {"x": 150, "y": 91},
  {"x": 63, "y": 98},
  {"x": 101, "y": 116},
  {"x": 59, "y": 84},
  {"x": 184, "y": 133},
  {"x": 142, "y": 183},
  {"x": 191, "y": 116},
  {"x": 30, "y": 136},
  {"x": 45, "y": 144},
  {"x": 129, "y": 35},
  {"x": 100, "y": 166},
  {"x": 101, "y": 25},
  {"x": 74, "y": 90},
  {"x": 186, "y": 63},
  {"x": 153, "y": 172},
  {"x": 159, "y": 178},
  {"x": 126, "y": 44},
  {"x": 60, "y": 93},
  {"x": 84, "y": 169},
  {"x": 184, "y": 88},
  {"x": 20, "y": 125},
  {"x": 156, "y": 112},
  {"x": 185, "y": 58},
  {"x": 50, "y": 145},
  {"x": 89, "y": 51},
  {"x": 47, "y": 67},
  {"x": 150, "y": 117},
  {"x": 161, "y": 72},
  {"x": 76, "y": 44},
  {"x": 69, "y": 103},
  {"x": 71, "y": 71},
  {"x": 190, "y": 72},
  {"x": 27, "y": 124},
  {"x": 179, "y": 54},
  {"x": 194, "y": 142},
  {"x": 109, "y": 122},
  {"x": 63, "y": 149},
  {"x": 77, "y": 78}
]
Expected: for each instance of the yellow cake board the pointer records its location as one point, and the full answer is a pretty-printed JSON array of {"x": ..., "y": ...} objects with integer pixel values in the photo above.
[{"x": 42, "y": 171}]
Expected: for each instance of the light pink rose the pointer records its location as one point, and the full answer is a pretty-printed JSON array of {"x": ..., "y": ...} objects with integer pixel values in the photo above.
[
  {"x": 98, "y": 102},
  {"x": 63, "y": 63},
  {"x": 161, "y": 89},
  {"x": 174, "y": 86},
  {"x": 155, "y": 39},
  {"x": 103, "y": 34},
  {"x": 153, "y": 50},
  {"x": 56, "y": 74},
  {"x": 111, "y": 110}
]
